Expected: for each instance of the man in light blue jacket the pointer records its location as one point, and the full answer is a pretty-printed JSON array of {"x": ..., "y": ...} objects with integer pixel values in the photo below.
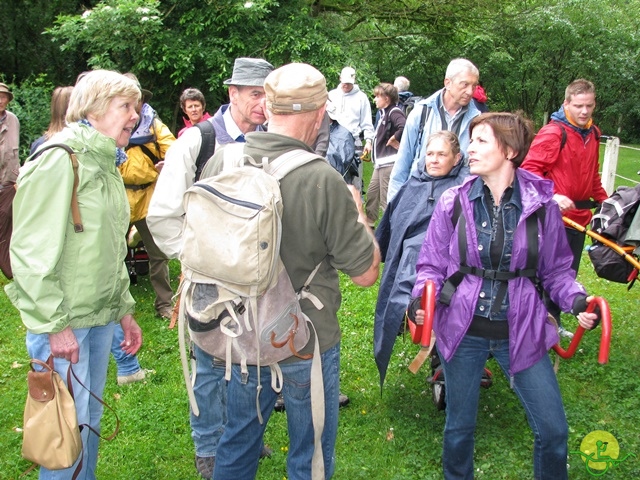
[{"x": 447, "y": 109}]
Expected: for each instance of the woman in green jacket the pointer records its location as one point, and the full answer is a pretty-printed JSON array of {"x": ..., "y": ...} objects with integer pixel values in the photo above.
[{"x": 72, "y": 287}]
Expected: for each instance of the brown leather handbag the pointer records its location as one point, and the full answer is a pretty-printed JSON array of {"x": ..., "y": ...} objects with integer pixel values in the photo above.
[{"x": 51, "y": 436}]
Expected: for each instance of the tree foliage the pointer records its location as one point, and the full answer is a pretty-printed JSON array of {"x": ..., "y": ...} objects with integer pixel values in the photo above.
[{"x": 527, "y": 50}]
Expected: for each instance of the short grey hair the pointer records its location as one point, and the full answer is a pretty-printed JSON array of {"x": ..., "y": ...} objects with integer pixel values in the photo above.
[
  {"x": 449, "y": 137},
  {"x": 460, "y": 65},
  {"x": 94, "y": 91},
  {"x": 402, "y": 84}
]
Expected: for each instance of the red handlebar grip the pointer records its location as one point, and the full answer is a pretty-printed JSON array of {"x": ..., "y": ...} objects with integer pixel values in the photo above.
[
  {"x": 605, "y": 337},
  {"x": 428, "y": 304}
]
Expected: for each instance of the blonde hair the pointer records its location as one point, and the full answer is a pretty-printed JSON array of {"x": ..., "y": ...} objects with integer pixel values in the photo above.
[
  {"x": 94, "y": 91},
  {"x": 578, "y": 87}
]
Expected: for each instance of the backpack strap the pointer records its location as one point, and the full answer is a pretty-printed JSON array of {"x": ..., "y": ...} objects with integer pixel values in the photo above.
[
  {"x": 279, "y": 167},
  {"x": 423, "y": 120},
  {"x": 563, "y": 134},
  {"x": 451, "y": 285},
  {"x": 289, "y": 161},
  {"x": 207, "y": 147},
  {"x": 152, "y": 156},
  {"x": 75, "y": 208},
  {"x": 530, "y": 271}
]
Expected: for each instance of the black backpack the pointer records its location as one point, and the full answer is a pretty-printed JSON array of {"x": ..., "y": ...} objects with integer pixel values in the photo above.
[
  {"x": 408, "y": 104},
  {"x": 207, "y": 148},
  {"x": 612, "y": 221}
]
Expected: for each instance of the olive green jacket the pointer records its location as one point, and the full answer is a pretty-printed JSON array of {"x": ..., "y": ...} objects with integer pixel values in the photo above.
[{"x": 63, "y": 278}]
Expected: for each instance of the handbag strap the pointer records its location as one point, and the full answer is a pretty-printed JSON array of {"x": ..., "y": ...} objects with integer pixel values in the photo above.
[
  {"x": 104, "y": 404},
  {"x": 75, "y": 208}
]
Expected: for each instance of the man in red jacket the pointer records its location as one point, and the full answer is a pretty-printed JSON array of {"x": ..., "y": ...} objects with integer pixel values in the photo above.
[{"x": 566, "y": 150}]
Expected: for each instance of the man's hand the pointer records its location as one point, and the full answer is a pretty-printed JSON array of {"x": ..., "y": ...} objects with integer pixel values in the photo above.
[
  {"x": 65, "y": 345},
  {"x": 367, "y": 147},
  {"x": 132, "y": 335},
  {"x": 565, "y": 203},
  {"x": 159, "y": 166}
]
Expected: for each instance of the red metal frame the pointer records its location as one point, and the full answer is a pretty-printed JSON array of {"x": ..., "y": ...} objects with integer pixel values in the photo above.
[
  {"x": 605, "y": 336},
  {"x": 422, "y": 333}
]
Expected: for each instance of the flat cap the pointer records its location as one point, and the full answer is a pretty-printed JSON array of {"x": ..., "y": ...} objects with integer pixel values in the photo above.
[{"x": 295, "y": 88}]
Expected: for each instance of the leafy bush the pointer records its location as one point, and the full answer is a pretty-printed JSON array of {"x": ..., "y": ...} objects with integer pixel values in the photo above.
[{"x": 31, "y": 104}]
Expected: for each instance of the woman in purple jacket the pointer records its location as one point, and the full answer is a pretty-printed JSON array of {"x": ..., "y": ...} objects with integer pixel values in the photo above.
[{"x": 503, "y": 318}]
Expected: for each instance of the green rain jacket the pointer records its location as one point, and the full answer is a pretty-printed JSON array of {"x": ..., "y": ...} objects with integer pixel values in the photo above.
[{"x": 63, "y": 278}]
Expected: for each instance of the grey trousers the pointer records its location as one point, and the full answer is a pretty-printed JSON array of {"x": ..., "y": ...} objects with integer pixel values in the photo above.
[{"x": 158, "y": 267}]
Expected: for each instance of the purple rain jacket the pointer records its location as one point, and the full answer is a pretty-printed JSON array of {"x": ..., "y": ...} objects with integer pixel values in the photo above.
[{"x": 531, "y": 335}]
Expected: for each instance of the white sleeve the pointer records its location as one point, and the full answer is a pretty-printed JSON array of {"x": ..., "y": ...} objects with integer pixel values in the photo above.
[{"x": 166, "y": 212}]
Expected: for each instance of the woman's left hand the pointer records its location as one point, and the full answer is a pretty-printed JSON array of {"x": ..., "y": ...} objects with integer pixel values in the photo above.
[
  {"x": 587, "y": 320},
  {"x": 132, "y": 335},
  {"x": 393, "y": 143}
]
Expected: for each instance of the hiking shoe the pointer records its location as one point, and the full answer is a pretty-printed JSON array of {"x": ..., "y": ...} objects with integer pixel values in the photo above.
[
  {"x": 204, "y": 466},
  {"x": 134, "y": 377},
  {"x": 266, "y": 452},
  {"x": 279, "y": 407},
  {"x": 564, "y": 333},
  {"x": 165, "y": 313},
  {"x": 343, "y": 400}
]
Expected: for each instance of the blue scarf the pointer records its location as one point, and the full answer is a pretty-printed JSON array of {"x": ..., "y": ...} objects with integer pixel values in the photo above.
[{"x": 121, "y": 157}]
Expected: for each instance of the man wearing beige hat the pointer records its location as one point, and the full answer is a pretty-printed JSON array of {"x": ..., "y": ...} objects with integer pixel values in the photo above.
[
  {"x": 9, "y": 139},
  {"x": 322, "y": 223},
  {"x": 244, "y": 113}
]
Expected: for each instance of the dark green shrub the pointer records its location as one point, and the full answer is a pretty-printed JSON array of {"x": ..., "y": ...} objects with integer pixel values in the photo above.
[{"x": 31, "y": 104}]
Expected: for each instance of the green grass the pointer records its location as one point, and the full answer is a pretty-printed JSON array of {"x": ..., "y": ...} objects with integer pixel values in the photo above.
[
  {"x": 628, "y": 164},
  {"x": 393, "y": 435}
]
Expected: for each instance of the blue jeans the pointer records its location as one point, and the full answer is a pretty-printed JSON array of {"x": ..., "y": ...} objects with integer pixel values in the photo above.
[
  {"x": 538, "y": 391},
  {"x": 239, "y": 449},
  {"x": 127, "y": 364},
  {"x": 210, "y": 390},
  {"x": 91, "y": 369}
]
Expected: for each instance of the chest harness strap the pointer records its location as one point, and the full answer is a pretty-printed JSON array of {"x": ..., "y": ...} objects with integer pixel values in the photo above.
[{"x": 451, "y": 284}]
